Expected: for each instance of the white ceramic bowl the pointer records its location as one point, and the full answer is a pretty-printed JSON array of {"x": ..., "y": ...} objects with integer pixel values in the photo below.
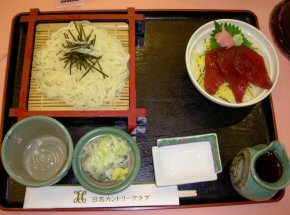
[{"x": 196, "y": 44}]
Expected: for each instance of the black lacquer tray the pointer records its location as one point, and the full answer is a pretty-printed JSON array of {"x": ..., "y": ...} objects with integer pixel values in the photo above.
[{"x": 175, "y": 107}]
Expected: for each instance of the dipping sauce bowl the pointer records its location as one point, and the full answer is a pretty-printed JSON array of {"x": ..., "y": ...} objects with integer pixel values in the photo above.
[
  {"x": 99, "y": 163},
  {"x": 37, "y": 151}
]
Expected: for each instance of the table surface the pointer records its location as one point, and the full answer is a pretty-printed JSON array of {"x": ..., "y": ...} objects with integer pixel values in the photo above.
[{"x": 281, "y": 96}]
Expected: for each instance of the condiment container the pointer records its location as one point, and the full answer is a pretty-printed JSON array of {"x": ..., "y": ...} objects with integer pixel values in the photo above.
[{"x": 258, "y": 173}]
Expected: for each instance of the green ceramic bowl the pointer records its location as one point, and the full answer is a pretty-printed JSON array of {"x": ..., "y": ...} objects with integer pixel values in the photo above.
[
  {"x": 37, "y": 151},
  {"x": 105, "y": 186}
]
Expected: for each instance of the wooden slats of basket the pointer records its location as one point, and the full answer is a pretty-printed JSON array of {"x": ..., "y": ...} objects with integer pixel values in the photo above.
[{"x": 39, "y": 102}]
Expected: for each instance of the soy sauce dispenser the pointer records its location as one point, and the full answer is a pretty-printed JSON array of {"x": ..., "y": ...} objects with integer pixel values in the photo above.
[{"x": 258, "y": 173}]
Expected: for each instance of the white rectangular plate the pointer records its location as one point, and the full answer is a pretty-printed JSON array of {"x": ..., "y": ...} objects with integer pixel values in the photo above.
[{"x": 183, "y": 163}]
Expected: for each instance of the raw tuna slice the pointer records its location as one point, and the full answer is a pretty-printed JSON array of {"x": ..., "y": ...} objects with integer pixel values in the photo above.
[
  {"x": 213, "y": 77},
  {"x": 251, "y": 66},
  {"x": 237, "y": 83},
  {"x": 239, "y": 86}
]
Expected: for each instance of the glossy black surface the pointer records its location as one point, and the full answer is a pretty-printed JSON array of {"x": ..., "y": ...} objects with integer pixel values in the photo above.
[{"x": 175, "y": 107}]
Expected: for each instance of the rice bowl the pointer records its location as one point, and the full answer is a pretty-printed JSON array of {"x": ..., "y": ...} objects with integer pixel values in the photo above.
[{"x": 195, "y": 63}]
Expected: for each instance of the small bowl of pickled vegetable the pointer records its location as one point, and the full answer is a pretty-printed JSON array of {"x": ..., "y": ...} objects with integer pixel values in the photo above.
[{"x": 106, "y": 160}]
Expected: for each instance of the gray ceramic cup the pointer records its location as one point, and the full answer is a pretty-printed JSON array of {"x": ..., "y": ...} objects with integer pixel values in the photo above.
[{"x": 37, "y": 151}]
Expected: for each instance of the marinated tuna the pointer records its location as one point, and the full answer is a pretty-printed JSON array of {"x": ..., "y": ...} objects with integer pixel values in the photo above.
[
  {"x": 213, "y": 77},
  {"x": 238, "y": 66},
  {"x": 251, "y": 65}
]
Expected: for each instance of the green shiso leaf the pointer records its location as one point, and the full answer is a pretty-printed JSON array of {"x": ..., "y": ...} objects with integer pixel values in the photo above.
[
  {"x": 247, "y": 42},
  {"x": 232, "y": 29},
  {"x": 217, "y": 29}
]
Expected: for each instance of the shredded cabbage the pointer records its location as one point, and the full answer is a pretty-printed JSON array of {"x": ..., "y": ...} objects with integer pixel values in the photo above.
[{"x": 107, "y": 158}]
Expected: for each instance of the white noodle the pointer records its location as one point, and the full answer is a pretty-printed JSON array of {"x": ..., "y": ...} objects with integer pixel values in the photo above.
[{"x": 93, "y": 90}]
